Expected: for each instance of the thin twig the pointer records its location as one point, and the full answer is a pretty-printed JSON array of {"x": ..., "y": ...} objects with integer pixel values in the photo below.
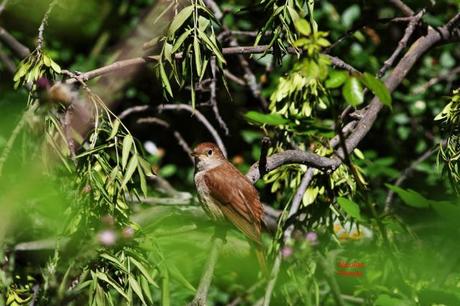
[
  {"x": 406, "y": 174},
  {"x": 123, "y": 64},
  {"x": 44, "y": 22},
  {"x": 449, "y": 76},
  {"x": 402, "y": 7},
  {"x": 180, "y": 140},
  {"x": 234, "y": 78},
  {"x": 132, "y": 110},
  {"x": 308, "y": 176},
  {"x": 213, "y": 98},
  {"x": 201, "y": 295},
  {"x": 402, "y": 43},
  {"x": 249, "y": 75},
  {"x": 200, "y": 118}
]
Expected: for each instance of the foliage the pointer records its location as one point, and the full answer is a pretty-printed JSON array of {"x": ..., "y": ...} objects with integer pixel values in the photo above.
[{"x": 86, "y": 220}]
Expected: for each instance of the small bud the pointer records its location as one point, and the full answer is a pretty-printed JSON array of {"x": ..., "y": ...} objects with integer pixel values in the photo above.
[
  {"x": 287, "y": 251},
  {"x": 128, "y": 232},
  {"x": 108, "y": 220},
  {"x": 107, "y": 238},
  {"x": 312, "y": 238}
]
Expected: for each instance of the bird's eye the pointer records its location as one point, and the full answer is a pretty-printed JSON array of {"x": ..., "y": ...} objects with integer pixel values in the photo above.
[{"x": 209, "y": 152}]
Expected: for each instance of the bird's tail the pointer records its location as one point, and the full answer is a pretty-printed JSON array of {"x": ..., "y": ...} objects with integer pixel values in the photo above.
[{"x": 260, "y": 254}]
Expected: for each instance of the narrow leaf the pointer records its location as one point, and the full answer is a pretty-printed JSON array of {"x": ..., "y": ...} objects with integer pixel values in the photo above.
[
  {"x": 143, "y": 271},
  {"x": 179, "y": 20},
  {"x": 127, "y": 144},
  {"x": 132, "y": 165},
  {"x": 270, "y": 119},
  {"x": 350, "y": 207},
  {"x": 136, "y": 288}
]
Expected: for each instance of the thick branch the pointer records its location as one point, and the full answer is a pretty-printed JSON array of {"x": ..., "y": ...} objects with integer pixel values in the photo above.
[{"x": 293, "y": 157}]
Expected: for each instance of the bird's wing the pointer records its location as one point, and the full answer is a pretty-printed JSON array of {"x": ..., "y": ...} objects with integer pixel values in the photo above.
[{"x": 237, "y": 197}]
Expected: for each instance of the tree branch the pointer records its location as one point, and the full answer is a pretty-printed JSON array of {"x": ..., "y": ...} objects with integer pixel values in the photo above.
[
  {"x": 200, "y": 118},
  {"x": 405, "y": 174},
  {"x": 41, "y": 29},
  {"x": 402, "y": 43},
  {"x": 181, "y": 141},
  {"x": 293, "y": 157},
  {"x": 21, "y": 50},
  {"x": 201, "y": 295},
  {"x": 9, "y": 64},
  {"x": 137, "y": 61},
  {"x": 402, "y": 7},
  {"x": 213, "y": 98}
]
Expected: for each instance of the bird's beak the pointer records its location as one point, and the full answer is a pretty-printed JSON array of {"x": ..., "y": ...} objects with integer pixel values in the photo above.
[{"x": 194, "y": 154}]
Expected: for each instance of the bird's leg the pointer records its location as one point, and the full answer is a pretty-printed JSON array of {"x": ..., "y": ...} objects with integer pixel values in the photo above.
[{"x": 201, "y": 295}]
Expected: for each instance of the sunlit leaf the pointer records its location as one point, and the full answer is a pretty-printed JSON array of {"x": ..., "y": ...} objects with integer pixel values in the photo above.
[
  {"x": 180, "y": 18},
  {"x": 136, "y": 288},
  {"x": 126, "y": 149},
  {"x": 303, "y": 27},
  {"x": 410, "y": 197},
  {"x": 377, "y": 87},
  {"x": 336, "y": 79},
  {"x": 270, "y": 119},
  {"x": 350, "y": 207},
  {"x": 132, "y": 165},
  {"x": 353, "y": 91}
]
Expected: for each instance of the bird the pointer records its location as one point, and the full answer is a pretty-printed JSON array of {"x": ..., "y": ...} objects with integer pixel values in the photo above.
[{"x": 226, "y": 194}]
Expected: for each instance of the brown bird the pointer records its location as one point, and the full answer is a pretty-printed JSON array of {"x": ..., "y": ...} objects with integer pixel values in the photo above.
[{"x": 225, "y": 193}]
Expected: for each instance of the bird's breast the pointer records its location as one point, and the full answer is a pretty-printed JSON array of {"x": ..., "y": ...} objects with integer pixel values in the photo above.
[{"x": 209, "y": 204}]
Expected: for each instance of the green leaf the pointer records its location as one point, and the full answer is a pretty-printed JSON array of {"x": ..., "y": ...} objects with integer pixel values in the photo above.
[
  {"x": 213, "y": 47},
  {"x": 350, "y": 207},
  {"x": 179, "y": 20},
  {"x": 104, "y": 278},
  {"x": 136, "y": 288},
  {"x": 165, "y": 80},
  {"x": 178, "y": 276},
  {"x": 270, "y": 119},
  {"x": 377, "y": 87},
  {"x": 353, "y": 92},
  {"x": 181, "y": 40},
  {"x": 114, "y": 261},
  {"x": 115, "y": 127},
  {"x": 132, "y": 165},
  {"x": 197, "y": 51},
  {"x": 410, "y": 197},
  {"x": 303, "y": 27},
  {"x": 336, "y": 79},
  {"x": 143, "y": 271},
  {"x": 55, "y": 66},
  {"x": 126, "y": 149},
  {"x": 146, "y": 288}
]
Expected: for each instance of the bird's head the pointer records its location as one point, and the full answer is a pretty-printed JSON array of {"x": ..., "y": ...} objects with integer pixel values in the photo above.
[{"x": 207, "y": 156}]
